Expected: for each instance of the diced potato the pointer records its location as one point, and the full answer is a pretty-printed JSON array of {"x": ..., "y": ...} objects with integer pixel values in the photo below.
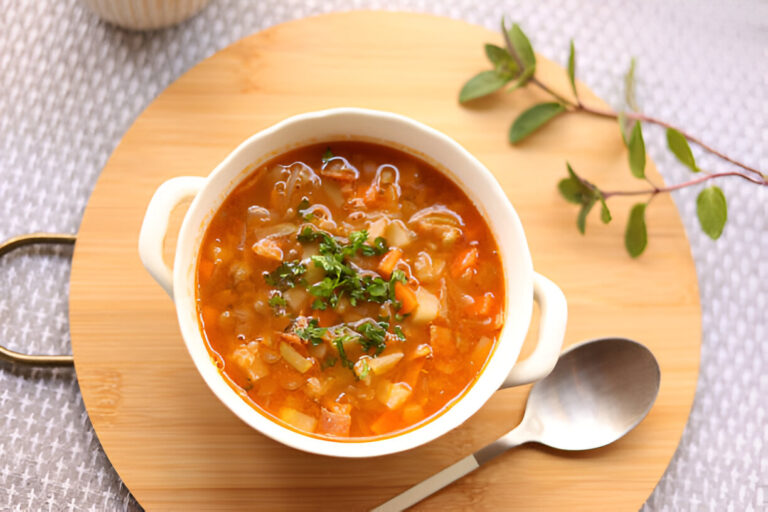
[
  {"x": 422, "y": 350},
  {"x": 247, "y": 358},
  {"x": 293, "y": 358},
  {"x": 397, "y": 395},
  {"x": 334, "y": 423},
  {"x": 297, "y": 419},
  {"x": 397, "y": 234},
  {"x": 376, "y": 228},
  {"x": 316, "y": 387},
  {"x": 268, "y": 248},
  {"x": 295, "y": 297},
  {"x": 428, "y": 306},
  {"x": 382, "y": 364}
]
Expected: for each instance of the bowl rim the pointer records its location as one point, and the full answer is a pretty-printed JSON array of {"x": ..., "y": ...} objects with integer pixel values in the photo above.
[{"x": 482, "y": 189}]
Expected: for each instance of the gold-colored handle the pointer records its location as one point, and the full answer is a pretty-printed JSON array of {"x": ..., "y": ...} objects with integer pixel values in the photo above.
[{"x": 8, "y": 246}]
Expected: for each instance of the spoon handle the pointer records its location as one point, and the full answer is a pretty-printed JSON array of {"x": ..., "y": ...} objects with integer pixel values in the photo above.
[
  {"x": 455, "y": 471},
  {"x": 429, "y": 486}
]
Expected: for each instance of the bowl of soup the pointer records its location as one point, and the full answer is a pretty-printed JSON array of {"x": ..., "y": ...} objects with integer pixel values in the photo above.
[{"x": 352, "y": 282}]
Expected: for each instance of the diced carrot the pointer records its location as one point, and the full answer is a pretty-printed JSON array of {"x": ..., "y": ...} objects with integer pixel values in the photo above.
[
  {"x": 268, "y": 248},
  {"x": 205, "y": 269},
  {"x": 387, "y": 422},
  {"x": 483, "y": 305},
  {"x": 464, "y": 261},
  {"x": 413, "y": 413},
  {"x": 388, "y": 262},
  {"x": 407, "y": 298}
]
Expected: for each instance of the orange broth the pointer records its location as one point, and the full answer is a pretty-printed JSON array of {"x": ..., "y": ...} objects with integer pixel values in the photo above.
[{"x": 350, "y": 290}]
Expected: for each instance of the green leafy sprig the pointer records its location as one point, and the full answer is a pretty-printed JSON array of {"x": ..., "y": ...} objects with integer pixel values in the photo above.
[{"x": 514, "y": 66}]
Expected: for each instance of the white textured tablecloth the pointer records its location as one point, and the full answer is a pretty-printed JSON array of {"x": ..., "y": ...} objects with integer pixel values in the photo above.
[{"x": 70, "y": 86}]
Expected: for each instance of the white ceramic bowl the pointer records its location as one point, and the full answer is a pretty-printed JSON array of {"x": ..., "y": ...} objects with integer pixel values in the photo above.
[
  {"x": 145, "y": 14},
  {"x": 522, "y": 284}
]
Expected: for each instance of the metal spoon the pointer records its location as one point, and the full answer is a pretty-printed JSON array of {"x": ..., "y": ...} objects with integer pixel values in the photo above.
[{"x": 598, "y": 391}]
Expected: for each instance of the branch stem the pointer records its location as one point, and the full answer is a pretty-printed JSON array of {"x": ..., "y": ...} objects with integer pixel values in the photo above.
[
  {"x": 657, "y": 190},
  {"x": 637, "y": 116}
]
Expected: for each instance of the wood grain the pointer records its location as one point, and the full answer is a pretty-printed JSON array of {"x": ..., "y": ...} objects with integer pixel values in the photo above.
[{"x": 177, "y": 448}]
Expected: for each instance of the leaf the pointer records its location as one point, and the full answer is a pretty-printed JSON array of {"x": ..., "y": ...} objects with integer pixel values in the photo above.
[
  {"x": 605, "y": 213},
  {"x": 573, "y": 189},
  {"x": 581, "y": 220},
  {"x": 522, "y": 47},
  {"x": 637, "y": 152},
  {"x": 502, "y": 61},
  {"x": 678, "y": 145},
  {"x": 712, "y": 210},
  {"x": 482, "y": 84},
  {"x": 572, "y": 69},
  {"x": 629, "y": 86},
  {"x": 636, "y": 235},
  {"x": 625, "y": 127},
  {"x": 533, "y": 119}
]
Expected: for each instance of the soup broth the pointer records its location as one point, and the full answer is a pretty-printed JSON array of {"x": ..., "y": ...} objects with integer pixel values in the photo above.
[{"x": 349, "y": 290}]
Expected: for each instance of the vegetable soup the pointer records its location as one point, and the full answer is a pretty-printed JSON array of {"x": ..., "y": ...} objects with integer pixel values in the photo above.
[{"x": 349, "y": 290}]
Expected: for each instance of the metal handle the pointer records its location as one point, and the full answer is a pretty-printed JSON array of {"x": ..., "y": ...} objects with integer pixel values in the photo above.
[{"x": 8, "y": 246}]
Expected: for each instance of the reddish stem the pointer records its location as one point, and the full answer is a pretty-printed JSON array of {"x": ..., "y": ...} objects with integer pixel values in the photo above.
[{"x": 702, "y": 179}]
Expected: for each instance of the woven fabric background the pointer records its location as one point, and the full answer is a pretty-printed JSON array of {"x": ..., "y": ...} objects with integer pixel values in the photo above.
[{"x": 70, "y": 86}]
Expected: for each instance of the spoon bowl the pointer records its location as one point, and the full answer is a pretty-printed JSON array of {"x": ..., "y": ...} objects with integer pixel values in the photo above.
[{"x": 598, "y": 391}]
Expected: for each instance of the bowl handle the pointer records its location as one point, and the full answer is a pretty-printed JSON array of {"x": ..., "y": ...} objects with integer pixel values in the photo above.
[
  {"x": 155, "y": 225},
  {"x": 554, "y": 314}
]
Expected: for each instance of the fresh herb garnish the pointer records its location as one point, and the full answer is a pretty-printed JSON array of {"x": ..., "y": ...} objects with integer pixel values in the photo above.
[
  {"x": 374, "y": 335},
  {"x": 302, "y": 210},
  {"x": 327, "y": 155},
  {"x": 339, "y": 343},
  {"x": 365, "y": 370},
  {"x": 286, "y": 275},
  {"x": 399, "y": 333},
  {"x": 328, "y": 362},
  {"x": 341, "y": 278},
  {"x": 312, "y": 333},
  {"x": 277, "y": 302}
]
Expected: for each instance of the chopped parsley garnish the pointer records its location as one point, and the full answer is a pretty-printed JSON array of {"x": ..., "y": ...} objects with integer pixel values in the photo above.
[
  {"x": 399, "y": 333},
  {"x": 341, "y": 278},
  {"x": 286, "y": 275},
  {"x": 365, "y": 369},
  {"x": 312, "y": 332},
  {"x": 328, "y": 362},
  {"x": 302, "y": 210},
  {"x": 327, "y": 155},
  {"x": 339, "y": 342},
  {"x": 374, "y": 335},
  {"x": 278, "y": 303}
]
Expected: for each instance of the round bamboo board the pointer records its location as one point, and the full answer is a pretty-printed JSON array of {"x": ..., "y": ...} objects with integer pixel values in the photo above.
[{"x": 177, "y": 447}]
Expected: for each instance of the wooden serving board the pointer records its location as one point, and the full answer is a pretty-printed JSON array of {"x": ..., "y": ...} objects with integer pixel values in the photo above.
[{"x": 177, "y": 447}]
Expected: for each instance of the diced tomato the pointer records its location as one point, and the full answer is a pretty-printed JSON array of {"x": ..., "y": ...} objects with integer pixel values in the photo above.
[
  {"x": 484, "y": 305},
  {"x": 464, "y": 261}
]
